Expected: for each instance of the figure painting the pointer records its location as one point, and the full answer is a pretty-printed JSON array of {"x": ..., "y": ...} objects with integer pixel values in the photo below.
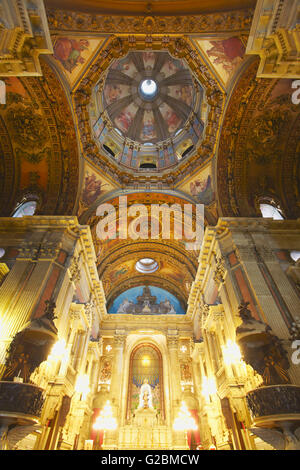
[
  {"x": 225, "y": 55},
  {"x": 149, "y": 59},
  {"x": 128, "y": 301},
  {"x": 114, "y": 92},
  {"x": 172, "y": 66},
  {"x": 148, "y": 130},
  {"x": 69, "y": 52},
  {"x": 93, "y": 188},
  {"x": 200, "y": 186},
  {"x": 125, "y": 66},
  {"x": 182, "y": 93},
  {"x": 173, "y": 121},
  {"x": 124, "y": 120},
  {"x": 73, "y": 54},
  {"x": 202, "y": 190}
]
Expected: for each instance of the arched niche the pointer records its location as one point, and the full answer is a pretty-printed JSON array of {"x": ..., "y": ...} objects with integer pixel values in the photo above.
[{"x": 145, "y": 363}]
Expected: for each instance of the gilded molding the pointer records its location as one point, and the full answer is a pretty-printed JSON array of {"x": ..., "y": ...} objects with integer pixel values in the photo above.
[
  {"x": 179, "y": 47},
  {"x": 232, "y": 21}
]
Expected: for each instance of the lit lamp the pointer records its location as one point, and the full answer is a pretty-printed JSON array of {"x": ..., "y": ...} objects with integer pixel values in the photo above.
[
  {"x": 209, "y": 387},
  {"x": 59, "y": 352},
  {"x": 184, "y": 422},
  {"x": 82, "y": 386},
  {"x": 105, "y": 421},
  {"x": 231, "y": 353}
]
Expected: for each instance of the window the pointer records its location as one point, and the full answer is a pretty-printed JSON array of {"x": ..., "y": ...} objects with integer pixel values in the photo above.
[
  {"x": 2, "y": 252},
  {"x": 295, "y": 255},
  {"x": 146, "y": 266},
  {"x": 270, "y": 211},
  {"x": 26, "y": 208}
]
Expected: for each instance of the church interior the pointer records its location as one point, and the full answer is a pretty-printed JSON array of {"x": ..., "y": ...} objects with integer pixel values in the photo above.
[{"x": 149, "y": 225}]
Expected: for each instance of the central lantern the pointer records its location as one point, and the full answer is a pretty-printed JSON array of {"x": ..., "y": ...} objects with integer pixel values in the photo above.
[{"x": 149, "y": 112}]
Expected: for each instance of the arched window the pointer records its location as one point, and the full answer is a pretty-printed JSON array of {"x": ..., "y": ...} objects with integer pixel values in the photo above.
[
  {"x": 25, "y": 208},
  {"x": 145, "y": 371},
  {"x": 2, "y": 252},
  {"x": 270, "y": 210}
]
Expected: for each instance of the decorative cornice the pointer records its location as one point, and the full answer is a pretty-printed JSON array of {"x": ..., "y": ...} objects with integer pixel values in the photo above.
[{"x": 230, "y": 21}]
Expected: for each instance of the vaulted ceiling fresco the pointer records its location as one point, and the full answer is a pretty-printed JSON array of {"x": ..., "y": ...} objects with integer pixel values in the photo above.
[
  {"x": 160, "y": 108},
  {"x": 39, "y": 153}
]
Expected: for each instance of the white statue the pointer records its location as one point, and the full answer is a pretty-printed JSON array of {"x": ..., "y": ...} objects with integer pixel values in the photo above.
[{"x": 145, "y": 396}]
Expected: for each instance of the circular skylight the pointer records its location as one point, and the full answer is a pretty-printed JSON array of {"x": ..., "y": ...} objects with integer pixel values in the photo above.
[
  {"x": 146, "y": 266},
  {"x": 148, "y": 88}
]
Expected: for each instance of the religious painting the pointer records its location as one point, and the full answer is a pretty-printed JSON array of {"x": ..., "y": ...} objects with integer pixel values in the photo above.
[
  {"x": 200, "y": 187},
  {"x": 125, "y": 66},
  {"x": 114, "y": 92},
  {"x": 148, "y": 130},
  {"x": 105, "y": 372},
  {"x": 172, "y": 66},
  {"x": 173, "y": 121},
  {"x": 144, "y": 300},
  {"x": 182, "y": 93},
  {"x": 73, "y": 54},
  {"x": 149, "y": 59},
  {"x": 124, "y": 120},
  {"x": 186, "y": 373},
  {"x": 225, "y": 55},
  {"x": 94, "y": 186}
]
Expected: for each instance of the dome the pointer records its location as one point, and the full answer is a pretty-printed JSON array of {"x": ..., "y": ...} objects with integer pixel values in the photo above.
[{"x": 148, "y": 111}]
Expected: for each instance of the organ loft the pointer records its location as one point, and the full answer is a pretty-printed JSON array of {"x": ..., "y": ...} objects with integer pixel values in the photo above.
[{"x": 149, "y": 225}]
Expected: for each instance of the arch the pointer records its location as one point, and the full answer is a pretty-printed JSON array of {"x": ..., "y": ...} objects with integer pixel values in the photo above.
[
  {"x": 37, "y": 142},
  {"x": 137, "y": 348}
]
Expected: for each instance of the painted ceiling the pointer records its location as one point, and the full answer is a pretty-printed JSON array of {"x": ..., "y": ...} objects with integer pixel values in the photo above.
[
  {"x": 243, "y": 131},
  {"x": 148, "y": 116}
]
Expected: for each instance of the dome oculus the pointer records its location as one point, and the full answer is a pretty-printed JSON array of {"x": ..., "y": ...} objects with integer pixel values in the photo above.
[
  {"x": 146, "y": 266},
  {"x": 148, "y": 89}
]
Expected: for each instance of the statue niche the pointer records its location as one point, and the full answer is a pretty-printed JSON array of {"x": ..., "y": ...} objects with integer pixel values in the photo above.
[{"x": 145, "y": 387}]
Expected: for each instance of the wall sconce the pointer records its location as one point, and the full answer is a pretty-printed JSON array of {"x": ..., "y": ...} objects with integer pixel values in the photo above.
[
  {"x": 59, "y": 352},
  {"x": 184, "y": 421},
  {"x": 106, "y": 421},
  {"x": 209, "y": 387},
  {"x": 231, "y": 353},
  {"x": 82, "y": 385}
]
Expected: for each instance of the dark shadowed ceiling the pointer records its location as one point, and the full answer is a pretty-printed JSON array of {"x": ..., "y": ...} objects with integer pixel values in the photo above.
[{"x": 156, "y": 7}]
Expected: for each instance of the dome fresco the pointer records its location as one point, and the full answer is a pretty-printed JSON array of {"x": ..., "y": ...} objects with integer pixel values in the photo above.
[{"x": 151, "y": 101}]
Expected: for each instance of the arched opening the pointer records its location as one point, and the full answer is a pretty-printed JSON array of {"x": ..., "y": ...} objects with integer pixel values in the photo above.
[
  {"x": 148, "y": 165},
  {"x": 145, "y": 368},
  {"x": 271, "y": 210},
  {"x": 25, "y": 208},
  {"x": 109, "y": 150},
  {"x": 188, "y": 150}
]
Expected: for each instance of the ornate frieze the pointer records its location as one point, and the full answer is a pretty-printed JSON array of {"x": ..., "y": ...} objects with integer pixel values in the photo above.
[{"x": 234, "y": 21}]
